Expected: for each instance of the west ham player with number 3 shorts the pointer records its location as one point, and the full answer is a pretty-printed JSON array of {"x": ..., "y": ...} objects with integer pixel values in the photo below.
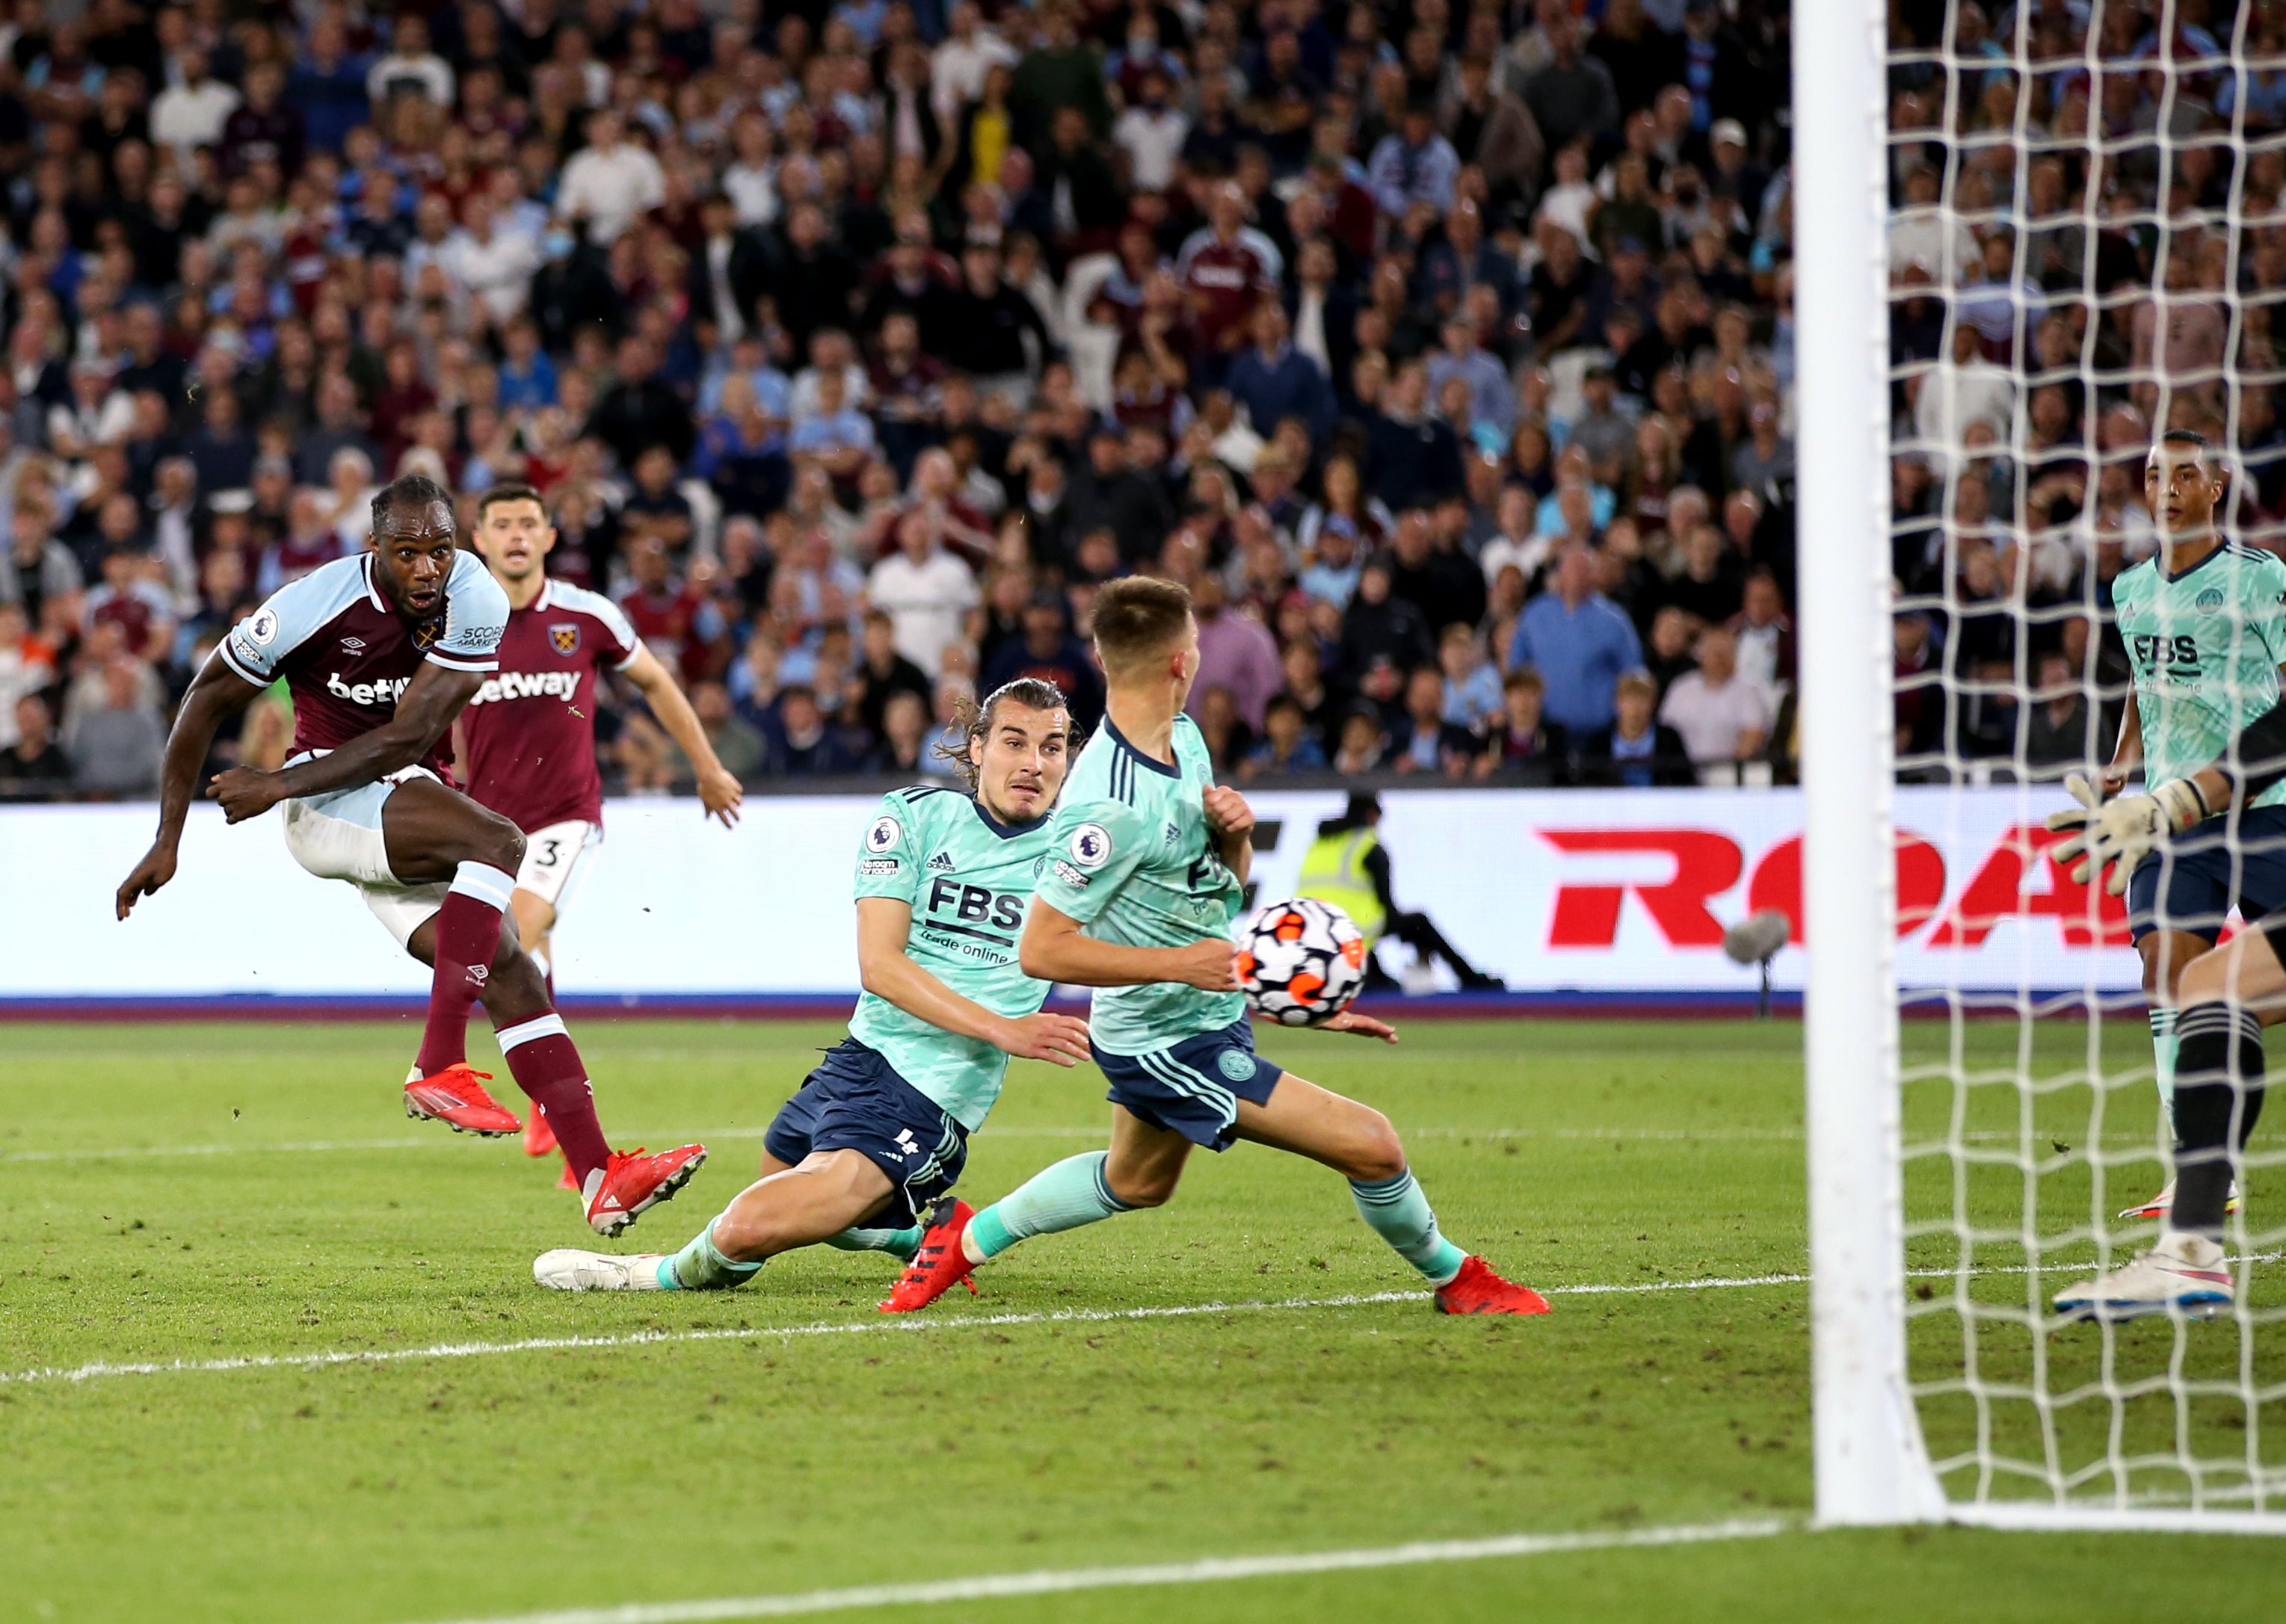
[
  {"x": 380, "y": 651},
  {"x": 528, "y": 737},
  {"x": 879, "y": 1130},
  {"x": 1147, "y": 860}
]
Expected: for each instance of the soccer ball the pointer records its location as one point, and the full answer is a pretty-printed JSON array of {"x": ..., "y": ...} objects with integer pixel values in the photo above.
[{"x": 1300, "y": 962}]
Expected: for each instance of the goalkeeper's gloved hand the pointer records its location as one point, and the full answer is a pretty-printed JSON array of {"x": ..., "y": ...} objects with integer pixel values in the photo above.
[{"x": 2120, "y": 833}]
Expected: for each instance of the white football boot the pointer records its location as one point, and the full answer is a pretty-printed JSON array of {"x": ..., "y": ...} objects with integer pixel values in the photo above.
[
  {"x": 2157, "y": 1206},
  {"x": 569, "y": 1269},
  {"x": 2185, "y": 1273}
]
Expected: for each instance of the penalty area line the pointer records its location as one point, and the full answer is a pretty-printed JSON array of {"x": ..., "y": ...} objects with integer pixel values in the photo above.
[
  {"x": 905, "y": 1324},
  {"x": 1211, "y": 1570}
]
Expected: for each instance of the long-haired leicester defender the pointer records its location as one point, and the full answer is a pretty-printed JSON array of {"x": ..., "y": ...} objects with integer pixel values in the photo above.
[
  {"x": 879, "y": 1130},
  {"x": 1148, "y": 859},
  {"x": 528, "y": 737},
  {"x": 380, "y": 652}
]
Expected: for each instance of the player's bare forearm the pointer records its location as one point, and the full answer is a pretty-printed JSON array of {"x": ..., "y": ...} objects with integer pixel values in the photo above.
[
  {"x": 1054, "y": 948},
  {"x": 1232, "y": 821},
  {"x": 215, "y": 693},
  {"x": 431, "y": 701},
  {"x": 719, "y": 792},
  {"x": 884, "y": 925}
]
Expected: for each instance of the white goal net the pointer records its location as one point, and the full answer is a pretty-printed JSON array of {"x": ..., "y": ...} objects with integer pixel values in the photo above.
[{"x": 2084, "y": 246}]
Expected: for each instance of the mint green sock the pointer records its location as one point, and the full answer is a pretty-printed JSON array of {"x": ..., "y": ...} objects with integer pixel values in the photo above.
[
  {"x": 899, "y": 1243},
  {"x": 2163, "y": 1055},
  {"x": 1065, "y": 1196},
  {"x": 1397, "y": 1211},
  {"x": 701, "y": 1266}
]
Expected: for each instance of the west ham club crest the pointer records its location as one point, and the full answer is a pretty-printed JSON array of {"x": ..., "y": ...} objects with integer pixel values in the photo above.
[{"x": 565, "y": 635}]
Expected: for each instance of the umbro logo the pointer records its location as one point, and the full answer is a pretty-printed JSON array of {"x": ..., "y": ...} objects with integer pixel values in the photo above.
[
  {"x": 941, "y": 863},
  {"x": 352, "y": 646}
]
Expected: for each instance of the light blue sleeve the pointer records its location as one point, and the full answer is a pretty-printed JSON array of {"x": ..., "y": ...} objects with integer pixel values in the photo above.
[
  {"x": 475, "y": 617},
  {"x": 1093, "y": 845},
  {"x": 889, "y": 857},
  {"x": 289, "y": 617}
]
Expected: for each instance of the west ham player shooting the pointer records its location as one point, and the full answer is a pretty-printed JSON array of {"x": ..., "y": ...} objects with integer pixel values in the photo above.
[
  {"x": 880, "y": 1129},
  {"x": 380, "y": 652},
  {"x": 1148, "y": 864},
  {"x": 2205, "y": 626},
  {"x": 528, "y": 737}
]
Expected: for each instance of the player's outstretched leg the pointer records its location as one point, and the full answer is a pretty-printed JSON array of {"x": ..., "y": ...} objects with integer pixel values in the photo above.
[
  {"x": 824, "y": 1199},
  {"x": 2219, "y": 1085},
  {"x": 433, "y": 835},
  {"x": 615, "y": 1188},
  {"x": 1141, "y": 1169},
  {"x": 1357, "y": 1142}
]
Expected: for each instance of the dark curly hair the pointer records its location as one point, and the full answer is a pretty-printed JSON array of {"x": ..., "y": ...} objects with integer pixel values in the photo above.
[
  {"x": 975, "y": 721},
  {"x": 414, "y": 490}
]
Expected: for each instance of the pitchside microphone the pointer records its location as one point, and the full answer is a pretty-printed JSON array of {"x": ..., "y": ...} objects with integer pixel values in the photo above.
[{"x": 1756, "y": 940}]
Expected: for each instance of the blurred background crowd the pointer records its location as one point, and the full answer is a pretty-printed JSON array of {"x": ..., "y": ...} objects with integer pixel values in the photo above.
[
  {"x": 1445, "y": 348},
  {"x": 2087, "y": 249}
]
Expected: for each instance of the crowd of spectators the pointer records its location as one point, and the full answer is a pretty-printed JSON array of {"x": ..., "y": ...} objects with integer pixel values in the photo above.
[
  {"x": 2088, "y": 247},
  {"x": 1444, "y": 347}
]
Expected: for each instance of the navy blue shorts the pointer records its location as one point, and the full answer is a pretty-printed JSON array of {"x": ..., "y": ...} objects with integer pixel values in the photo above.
[
  {"x": 855, "y": 1101},
  {"x": 1193, "y": 1088},
  {"x": 2205, "y": 869}
]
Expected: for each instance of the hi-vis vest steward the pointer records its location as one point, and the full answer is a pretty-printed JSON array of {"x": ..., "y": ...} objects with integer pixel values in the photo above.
[{"x": 1333, "y": 870}]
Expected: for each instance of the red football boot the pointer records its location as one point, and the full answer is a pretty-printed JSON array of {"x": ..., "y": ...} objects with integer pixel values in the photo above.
[
  {"x": 634, "y": 1182},
  {"x": 1476, "y": 1290},
  {"x": 457, "y": 1097},
  {"x": 539, "y": 1137},
  {"x": 567, "y": 1179},
  {"x": 939, "y": 1263}
]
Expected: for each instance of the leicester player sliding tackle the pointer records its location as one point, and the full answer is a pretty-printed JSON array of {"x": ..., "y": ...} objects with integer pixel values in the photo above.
[
  {"x": 380, "y": 652},
  {"x": 880, "y": 1129},
  {"x": 1148, "y": 865}
]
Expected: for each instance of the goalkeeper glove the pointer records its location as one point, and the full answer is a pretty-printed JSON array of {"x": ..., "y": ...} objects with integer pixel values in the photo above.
[{"x": 2121, "y": 833}]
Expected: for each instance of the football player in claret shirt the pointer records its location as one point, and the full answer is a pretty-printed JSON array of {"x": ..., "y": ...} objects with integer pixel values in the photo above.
[
  {"x": 880, "y": 1132},
  {"x": 380, "y": 652},
  {"x": 528, "y": 737}
]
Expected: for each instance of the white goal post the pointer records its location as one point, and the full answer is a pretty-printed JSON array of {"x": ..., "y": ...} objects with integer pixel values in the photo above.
[{"x": 1886, "y": 1360}]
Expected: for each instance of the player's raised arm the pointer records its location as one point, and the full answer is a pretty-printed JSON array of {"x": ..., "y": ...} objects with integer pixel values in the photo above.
[
  {"x": 1054, "y": 948},
  {"x": 1231, "y": 820},
  {"x": 434, "y": 697},
  {"x": 719, "y": 790},
  {"x": 884, "y": 926},
  {"x": 216, "y": 692}
]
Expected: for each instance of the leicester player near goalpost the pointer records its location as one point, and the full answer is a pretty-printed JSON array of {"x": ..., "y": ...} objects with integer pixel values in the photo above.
[
  {"x": 380, "y": 652},
  {"x": 880, "y": 1132},
  {"x": 2203, "y": 622},
  {"x": 528, "y": 737},
  {"x": 1148, "y": 864},
  {"x": 2224, "y": 996}
]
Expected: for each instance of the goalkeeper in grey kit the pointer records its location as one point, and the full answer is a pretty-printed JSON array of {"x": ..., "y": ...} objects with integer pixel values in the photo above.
[{"x": 2204, "y": 624}]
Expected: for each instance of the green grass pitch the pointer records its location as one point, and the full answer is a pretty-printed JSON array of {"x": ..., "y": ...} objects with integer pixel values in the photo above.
[{"x": 206, "y": 1192}]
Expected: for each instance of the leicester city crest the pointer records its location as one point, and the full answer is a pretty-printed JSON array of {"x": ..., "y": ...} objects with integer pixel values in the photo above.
[
  {"x": 565, "y": 635},
  {"x": 1234, "y": 1065}
]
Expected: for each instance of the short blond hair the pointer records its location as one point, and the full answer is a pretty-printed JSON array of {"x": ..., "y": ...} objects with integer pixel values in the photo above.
[{"x": 1137, "y": 616}]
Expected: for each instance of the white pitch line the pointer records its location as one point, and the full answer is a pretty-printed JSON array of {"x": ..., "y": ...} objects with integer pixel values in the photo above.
[
  {"x": 908, "y": 1323},
  {"x": 1212, "y": 1570}
]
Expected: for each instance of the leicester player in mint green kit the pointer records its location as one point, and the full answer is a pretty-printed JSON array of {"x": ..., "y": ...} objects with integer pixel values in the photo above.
[
  {"x": 879, "y": 1130},
  {"x": 1146, "y": 867},
  {"x": 2203, "y": 622}
]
